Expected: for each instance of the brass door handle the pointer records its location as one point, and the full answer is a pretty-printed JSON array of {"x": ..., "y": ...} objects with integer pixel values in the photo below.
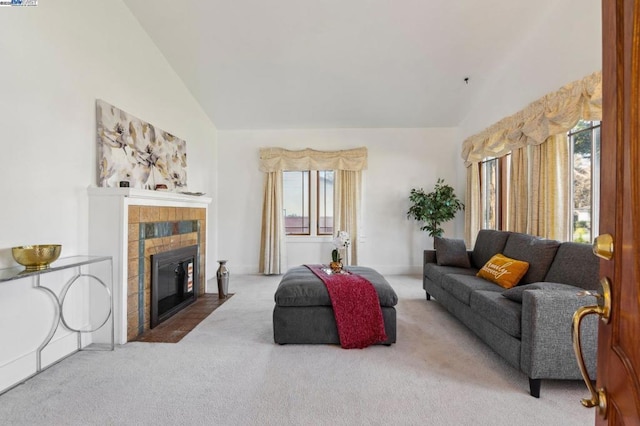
[
  {"x": 603, "y": 246},
  {"x": 603, "y": 309}
]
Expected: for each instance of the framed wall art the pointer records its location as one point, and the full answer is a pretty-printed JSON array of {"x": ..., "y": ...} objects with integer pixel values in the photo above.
[{"x": 134, "y": 151}]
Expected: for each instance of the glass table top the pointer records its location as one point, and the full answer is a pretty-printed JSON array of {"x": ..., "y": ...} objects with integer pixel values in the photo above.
[{"x": 17, "y": 272}]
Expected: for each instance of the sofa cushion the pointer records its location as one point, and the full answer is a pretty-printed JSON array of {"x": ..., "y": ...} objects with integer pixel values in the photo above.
[
  {"x": 539, "y": 253},
  {"x": 435, "y": 273},
  {"x": 461, "y": 286},
  {"x": 503, "y": 270},
  {"x": 451, "y": 252},
  {"x": 575, "y": 264},
  {"x": 488, "y": 243},
  {"x": 501, "y": 312},
  {"x": 516, "y": 293}
]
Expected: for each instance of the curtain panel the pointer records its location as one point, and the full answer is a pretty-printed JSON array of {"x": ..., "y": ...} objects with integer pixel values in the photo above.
[
  {"x": 554, "y": 113},
  {"x": 347, "y": 208},
  {"x": 473, "y": 206},
  {"x": 548, "y": 207},
  {"x": 272, "y": 241},
  {"x": 518, "y": 208}
]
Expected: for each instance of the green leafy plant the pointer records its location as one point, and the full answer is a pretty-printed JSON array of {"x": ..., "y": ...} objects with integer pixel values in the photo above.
[{"x": 434, "y": 208}]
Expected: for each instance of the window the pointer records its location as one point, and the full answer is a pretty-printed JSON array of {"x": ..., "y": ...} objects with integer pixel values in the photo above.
[
  {"x": 490, "y": 194},
  {"x": 325, "y": 202},
  {"x": 494, "y": 181},
  {"x": 584, "y": 142},
  {"x": 296, "y": 203},
  {"x": 308, "y": 202}
]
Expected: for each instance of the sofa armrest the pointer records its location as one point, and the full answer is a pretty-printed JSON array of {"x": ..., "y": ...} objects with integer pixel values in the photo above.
[
  {"x": 429, "y": 256},
  {"x": 547, "y": 346}
]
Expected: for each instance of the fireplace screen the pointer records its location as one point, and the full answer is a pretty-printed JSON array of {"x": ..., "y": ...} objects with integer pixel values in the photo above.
[{"x": 173, "y": 282}]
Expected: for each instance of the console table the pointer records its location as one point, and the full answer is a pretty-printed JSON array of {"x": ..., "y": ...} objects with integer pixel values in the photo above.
[{"x": 79, "y": 265}]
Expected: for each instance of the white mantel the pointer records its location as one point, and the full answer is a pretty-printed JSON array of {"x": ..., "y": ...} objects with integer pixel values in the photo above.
[
  {"x": 151, "y": 198},
  {"x": 108, "y": 233}
]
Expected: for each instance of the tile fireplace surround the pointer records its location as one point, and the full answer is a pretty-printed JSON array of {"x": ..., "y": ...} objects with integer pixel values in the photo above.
[{"x": 133, "y": 224}]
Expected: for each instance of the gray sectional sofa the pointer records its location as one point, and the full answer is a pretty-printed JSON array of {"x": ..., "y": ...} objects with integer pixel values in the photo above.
[{"x": 528, "y": 325}]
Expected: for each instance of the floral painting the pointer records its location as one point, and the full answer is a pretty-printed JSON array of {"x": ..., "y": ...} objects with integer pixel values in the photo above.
[{"x": 134, "y": 151}]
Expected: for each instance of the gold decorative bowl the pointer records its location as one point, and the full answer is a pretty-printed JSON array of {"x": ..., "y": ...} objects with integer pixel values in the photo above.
[{"x": 38, "y": 257}]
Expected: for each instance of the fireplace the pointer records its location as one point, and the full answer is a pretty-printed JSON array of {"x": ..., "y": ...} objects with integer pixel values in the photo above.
[
  {"x": 173, "y": 282},
  {"x": 132, "y": 225}
]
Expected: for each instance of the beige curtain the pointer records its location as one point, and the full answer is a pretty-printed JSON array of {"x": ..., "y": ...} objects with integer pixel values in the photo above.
[
  {"x": 549, "y": 208},
  {"x": 519, "y": 191},
  {"x": 473, "y": 209},
  {"x": 555, "y": 113},
  {"x": 272, "y": 244},
  {"x": 272, "y": 159},
  {"x": 348, "y": 165},
  {"x": 347, "y": 192},
  {"x": 536, "y": 137}
]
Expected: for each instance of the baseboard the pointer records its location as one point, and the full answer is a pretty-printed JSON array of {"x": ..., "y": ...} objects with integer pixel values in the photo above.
[
  {"x": 17, "y": 371},
  {"x": 397, "y": 269},
  {"x": 212, "y": 286},
  {"x": 23, "y": 368}
]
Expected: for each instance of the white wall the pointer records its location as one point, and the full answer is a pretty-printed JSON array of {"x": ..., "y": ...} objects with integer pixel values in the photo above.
[
  {"x": 566, "y": 46},
  {"x": 399, "y": 159},
  {"x": 56, "y": 60}
]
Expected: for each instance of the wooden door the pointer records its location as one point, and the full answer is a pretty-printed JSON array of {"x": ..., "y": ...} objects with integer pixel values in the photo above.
[{"x": 619, "y": 340}]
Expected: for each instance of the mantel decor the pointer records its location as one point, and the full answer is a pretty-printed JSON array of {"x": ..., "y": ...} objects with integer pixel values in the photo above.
[{"x": 134, "y": 151}]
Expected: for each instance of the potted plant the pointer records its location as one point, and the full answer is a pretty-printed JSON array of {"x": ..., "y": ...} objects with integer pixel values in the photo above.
[
  {"x": 434, "y": 208},
  {"x": 341, "y": 241}
]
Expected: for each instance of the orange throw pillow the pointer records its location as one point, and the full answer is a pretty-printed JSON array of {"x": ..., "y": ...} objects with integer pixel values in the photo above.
[{"x": 503, "y": 270}]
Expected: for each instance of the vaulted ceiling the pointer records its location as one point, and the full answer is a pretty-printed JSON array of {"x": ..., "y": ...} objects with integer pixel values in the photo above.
[{"x": 255, "y": 64}]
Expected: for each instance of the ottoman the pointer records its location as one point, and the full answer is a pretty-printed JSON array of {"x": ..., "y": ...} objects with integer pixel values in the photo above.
[{"x": 303, "y": 311}]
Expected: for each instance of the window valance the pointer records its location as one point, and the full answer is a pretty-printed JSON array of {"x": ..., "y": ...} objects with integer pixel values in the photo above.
[
  {"x": 554, "y": 113},
  {"x": 274, "y": 159}
]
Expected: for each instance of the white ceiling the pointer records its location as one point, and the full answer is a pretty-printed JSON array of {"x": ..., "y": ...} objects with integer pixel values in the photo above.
[{"x": 256, "y": 64}]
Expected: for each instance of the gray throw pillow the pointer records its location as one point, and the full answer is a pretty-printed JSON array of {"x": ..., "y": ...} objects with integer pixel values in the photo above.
[
  {"x": 538, "y": 252},
  {"x": 451, "y": 252},
  {"x": 516, "y": 293}
]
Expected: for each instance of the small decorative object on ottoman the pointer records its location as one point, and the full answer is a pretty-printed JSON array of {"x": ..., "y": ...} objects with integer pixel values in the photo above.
[{"x": 304, "y": 311}]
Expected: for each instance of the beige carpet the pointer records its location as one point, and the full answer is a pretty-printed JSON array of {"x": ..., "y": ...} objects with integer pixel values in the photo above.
[{"x": 228, "y": 371}]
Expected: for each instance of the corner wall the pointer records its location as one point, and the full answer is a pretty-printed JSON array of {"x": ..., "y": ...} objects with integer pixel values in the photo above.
[{"x": 57, "y": 59}]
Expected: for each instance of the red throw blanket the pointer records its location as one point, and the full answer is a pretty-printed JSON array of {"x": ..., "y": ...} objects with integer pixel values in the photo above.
[{"x": 356, "y": 308}]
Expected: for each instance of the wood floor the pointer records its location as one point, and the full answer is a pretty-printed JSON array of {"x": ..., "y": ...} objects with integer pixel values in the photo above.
[{"x": 179, "y": 325}]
